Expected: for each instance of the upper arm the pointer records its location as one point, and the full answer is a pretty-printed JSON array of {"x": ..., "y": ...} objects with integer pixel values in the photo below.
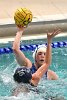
[
  {"x": 52, "y": 75},
  {"x": 21, "y": 59},
  {"x": 39, "y": 73},
  {"x": 42, "y": 70}
]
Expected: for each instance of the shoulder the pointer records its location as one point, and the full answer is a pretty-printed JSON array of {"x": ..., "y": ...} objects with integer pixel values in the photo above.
[{"x": 52, "y": 75}]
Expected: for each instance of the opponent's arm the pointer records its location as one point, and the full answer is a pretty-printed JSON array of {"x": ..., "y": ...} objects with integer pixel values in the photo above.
[{"x": 20, "y": 57}]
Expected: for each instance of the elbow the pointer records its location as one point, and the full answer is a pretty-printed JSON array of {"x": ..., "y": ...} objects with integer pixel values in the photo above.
[
  {"x": 15, "y": 49},
  {"x": 47, "y": 66},
  {"x": 48, "y": 63}
]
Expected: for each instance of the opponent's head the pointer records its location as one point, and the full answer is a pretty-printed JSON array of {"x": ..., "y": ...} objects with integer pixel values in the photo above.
[
  {"x": 39, "y": 54},
  {"x": 22, "y": 74}
]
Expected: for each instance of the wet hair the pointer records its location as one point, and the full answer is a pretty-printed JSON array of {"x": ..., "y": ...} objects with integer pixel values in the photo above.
[{"x": 22, "y": 74}]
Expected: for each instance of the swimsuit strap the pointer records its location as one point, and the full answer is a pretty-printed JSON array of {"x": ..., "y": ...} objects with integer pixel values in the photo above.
[{"x": 33, "y": 68}]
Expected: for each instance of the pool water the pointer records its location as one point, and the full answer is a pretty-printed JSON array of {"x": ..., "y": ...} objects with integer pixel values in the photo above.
[{"x": 47, "y": 88}]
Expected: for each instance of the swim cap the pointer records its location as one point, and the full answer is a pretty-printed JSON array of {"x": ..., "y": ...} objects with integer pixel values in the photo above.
[
  {"x": 40, "y": 48},
  {"x": 22, "y": 74}
]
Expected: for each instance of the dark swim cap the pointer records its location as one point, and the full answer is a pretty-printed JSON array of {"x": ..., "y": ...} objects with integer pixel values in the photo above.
[{"x": 22, "y": 74}]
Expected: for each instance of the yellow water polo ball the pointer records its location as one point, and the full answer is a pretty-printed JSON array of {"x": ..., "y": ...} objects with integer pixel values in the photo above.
[{"x": 23, "y": 17}]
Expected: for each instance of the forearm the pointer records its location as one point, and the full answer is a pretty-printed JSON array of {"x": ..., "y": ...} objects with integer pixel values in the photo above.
[
  {"x": 49, "y": 41},
  {"x": 16, "y": 43},
  {"x": 48, "y": 52}
]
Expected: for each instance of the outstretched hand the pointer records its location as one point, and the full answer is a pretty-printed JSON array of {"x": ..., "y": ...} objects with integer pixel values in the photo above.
[{"x": 53, "y": 34}]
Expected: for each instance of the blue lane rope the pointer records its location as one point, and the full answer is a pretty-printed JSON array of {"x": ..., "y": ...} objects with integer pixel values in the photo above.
[{"x": 32, "y": 47}]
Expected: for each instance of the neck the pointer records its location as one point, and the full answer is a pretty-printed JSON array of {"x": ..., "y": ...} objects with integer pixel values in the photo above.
[{"x": 37, "y": 65}]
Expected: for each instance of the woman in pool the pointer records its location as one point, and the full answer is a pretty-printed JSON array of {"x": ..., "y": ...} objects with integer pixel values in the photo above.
[
  {"x": 42, "y": 56},
  {"x": 32, "y": 73}
]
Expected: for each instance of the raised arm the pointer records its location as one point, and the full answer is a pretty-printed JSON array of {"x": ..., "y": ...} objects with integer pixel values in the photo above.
[
  {"x": 50, "y": 36},
  {"x": 20, "y": 57}
]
